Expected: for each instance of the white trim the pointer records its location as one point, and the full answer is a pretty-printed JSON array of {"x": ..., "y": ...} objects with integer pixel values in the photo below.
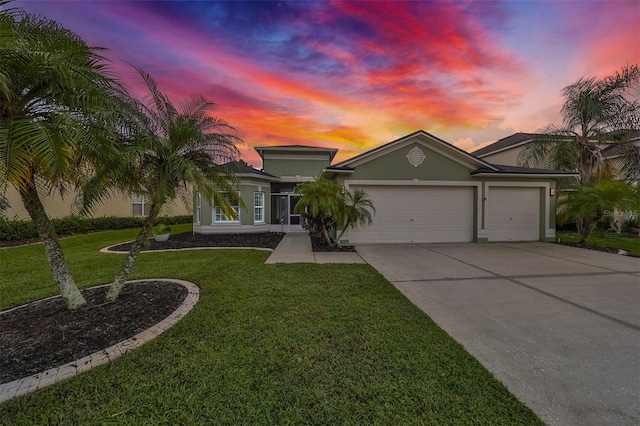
[
  {"x": 263, "y": 207},
  {"x": 256, "y": 177},
  {"x": 227, "y": 222},
  {"x": 297, "y": 178},
  {"x": 231, "y": 228},
  {"x": 323, "y": 157},
  {"x": 198, "y": 218},
  {"x": 526, "y": 175},
  {"x": 418, "y": 182}
]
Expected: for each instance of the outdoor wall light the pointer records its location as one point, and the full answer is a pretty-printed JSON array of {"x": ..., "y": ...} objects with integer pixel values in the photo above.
[{"x": 552, "y": 192}]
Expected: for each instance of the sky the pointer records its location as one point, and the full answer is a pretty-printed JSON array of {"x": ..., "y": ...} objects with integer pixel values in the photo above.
[{"x": 353, "y": 75}]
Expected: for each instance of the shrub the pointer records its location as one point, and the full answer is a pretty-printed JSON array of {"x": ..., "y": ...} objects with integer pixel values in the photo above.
[{"x": 21, "y": 229}]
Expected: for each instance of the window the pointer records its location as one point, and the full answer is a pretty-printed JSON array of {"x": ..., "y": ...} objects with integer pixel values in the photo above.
[
  {"x": 139, "y": 206},
  {"x": 258, "y": 207},
  {"x": 198, "y": 207},
  {"x": 220, "y": 217}
]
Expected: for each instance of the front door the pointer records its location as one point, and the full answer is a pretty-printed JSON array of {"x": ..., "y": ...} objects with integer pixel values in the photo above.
[{"x": 283, "y": 219}]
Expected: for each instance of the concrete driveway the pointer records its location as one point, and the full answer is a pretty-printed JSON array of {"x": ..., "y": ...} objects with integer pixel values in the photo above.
[{"x": 559, "y": 326}]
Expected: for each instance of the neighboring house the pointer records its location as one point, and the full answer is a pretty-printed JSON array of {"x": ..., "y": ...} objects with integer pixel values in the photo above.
[
  {"x": 424, "y": 190},
  {"x": 506, "y": 150},
  {"x": 117, "y": 205}
]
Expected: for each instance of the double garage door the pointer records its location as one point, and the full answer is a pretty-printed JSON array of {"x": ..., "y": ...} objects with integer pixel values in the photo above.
[
  {"x": 439, "y": 214},
  {"x": 418, "y": 214}
]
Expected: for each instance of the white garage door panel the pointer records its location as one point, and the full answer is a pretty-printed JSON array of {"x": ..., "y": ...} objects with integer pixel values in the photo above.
[
  {"x": 418, "y": 214},
  {"x": 513, "y": 214}
]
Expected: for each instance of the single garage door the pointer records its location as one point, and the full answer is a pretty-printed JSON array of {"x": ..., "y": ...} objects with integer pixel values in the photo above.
[
  {"x": 418, "y": 214},
  {"x": 513, "y": 214}
]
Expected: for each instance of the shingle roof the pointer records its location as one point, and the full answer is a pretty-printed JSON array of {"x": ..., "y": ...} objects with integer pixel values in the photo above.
[
  {"x": 503, "y": 169},
  {"x": 616, "y": 149},
  {"x": 504, "y": 143},
  {"x": 240, "y": 167}
]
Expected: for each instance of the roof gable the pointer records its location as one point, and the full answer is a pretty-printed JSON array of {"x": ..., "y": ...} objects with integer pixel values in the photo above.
[{"x": 433, "y": 143}]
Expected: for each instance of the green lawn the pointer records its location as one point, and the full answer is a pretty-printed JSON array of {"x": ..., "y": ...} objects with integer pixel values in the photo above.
[
  {"x": 607, "y": 239},
  {"x": 266, "y": 344}
]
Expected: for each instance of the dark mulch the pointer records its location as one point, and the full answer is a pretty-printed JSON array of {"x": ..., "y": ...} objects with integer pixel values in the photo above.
[
  {"x": 22, "y": 242},
  {"x": 318, "y": 247},
  {"x": 189, "y": 240},
  {"x": 591, "y": 247},
  {"x": 44, "y": 334}
]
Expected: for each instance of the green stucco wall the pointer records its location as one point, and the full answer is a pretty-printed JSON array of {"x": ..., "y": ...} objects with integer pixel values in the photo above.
[
  {"x": 246, "y": 188},
  {"x": 395, "y": 166},
  {"x": 295, "y": 167}
]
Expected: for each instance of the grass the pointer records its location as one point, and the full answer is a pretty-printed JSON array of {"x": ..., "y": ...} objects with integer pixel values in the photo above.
[
  {"x": 266, "y": 344},
  {"x": 606, "y": 239}
]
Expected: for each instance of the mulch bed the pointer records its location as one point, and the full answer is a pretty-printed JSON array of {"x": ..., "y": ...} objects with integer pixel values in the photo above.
[
  {"x": 591, "y": 247},
  {"x": 318, "y": 247},
  {"x": 189, "y": 240},
  {"x": 45, "y": 334}
]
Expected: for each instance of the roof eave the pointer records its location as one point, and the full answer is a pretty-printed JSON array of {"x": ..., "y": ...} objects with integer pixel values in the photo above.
[
  {"x": 257, "y": 176},
  {"x": 528, "y": 175}
]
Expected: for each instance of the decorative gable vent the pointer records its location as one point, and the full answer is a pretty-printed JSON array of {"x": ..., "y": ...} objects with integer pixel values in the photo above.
[{"x": 416, "y": 156}]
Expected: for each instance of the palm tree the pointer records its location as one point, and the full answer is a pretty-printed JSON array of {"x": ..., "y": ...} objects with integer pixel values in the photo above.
[
  {"x": 57, "y": 109},
  {"x": 594, "y": 110},
  {"x": 356, "y": 211},
  {"x": 175, "y": 148},
  {"x": 325, "y": 204},
  {"x": 320, "y": 204},
  {"x": 597, "y": 202}
]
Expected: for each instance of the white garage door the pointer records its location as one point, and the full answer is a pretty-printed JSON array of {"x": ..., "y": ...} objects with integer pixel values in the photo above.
[
  {"x": 418, "y": 215},
  {"x": 513, "y": 214}
]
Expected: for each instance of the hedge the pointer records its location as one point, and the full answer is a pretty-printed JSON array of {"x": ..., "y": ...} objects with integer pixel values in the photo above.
[{"x": 20, "y": 229}]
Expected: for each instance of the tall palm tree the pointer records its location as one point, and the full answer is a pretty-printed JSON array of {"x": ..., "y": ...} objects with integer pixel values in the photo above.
[
  {"x": 58, "y": 105},
  {"x": 174, "y": 149},
  {"x": 594, "y": 110}
]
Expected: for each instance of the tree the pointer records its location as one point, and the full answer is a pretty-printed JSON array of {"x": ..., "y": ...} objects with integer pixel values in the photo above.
[
  {"x": 174, "y": 149},
  {"x": 325, "y": 204},
  {"x": 356, "y": 211},
  {"x": 58, "y": 106},
  {"x": 596, "y": 114},
  {"x": 596, "y": 202}
]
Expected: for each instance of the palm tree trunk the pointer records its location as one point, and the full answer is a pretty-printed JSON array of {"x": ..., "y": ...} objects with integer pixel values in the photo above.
[
  {"x": 346, "y": 226},
  {"x": 116, "y": 287},
  {"x": 327, "y": 237},
  {"x": 55, "y": 256}
]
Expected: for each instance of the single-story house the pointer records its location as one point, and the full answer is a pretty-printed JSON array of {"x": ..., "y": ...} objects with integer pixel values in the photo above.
[{"x": 424, "y": 190}]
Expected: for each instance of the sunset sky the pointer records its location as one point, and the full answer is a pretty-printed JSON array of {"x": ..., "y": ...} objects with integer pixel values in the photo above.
[{"x": 355, "y": 74}]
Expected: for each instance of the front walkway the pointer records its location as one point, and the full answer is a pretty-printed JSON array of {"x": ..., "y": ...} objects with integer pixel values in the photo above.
[{"x": 296, "y": 248}]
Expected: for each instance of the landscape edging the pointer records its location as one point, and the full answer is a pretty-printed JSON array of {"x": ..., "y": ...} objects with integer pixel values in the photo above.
[{"x": 54, "y": 375}]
